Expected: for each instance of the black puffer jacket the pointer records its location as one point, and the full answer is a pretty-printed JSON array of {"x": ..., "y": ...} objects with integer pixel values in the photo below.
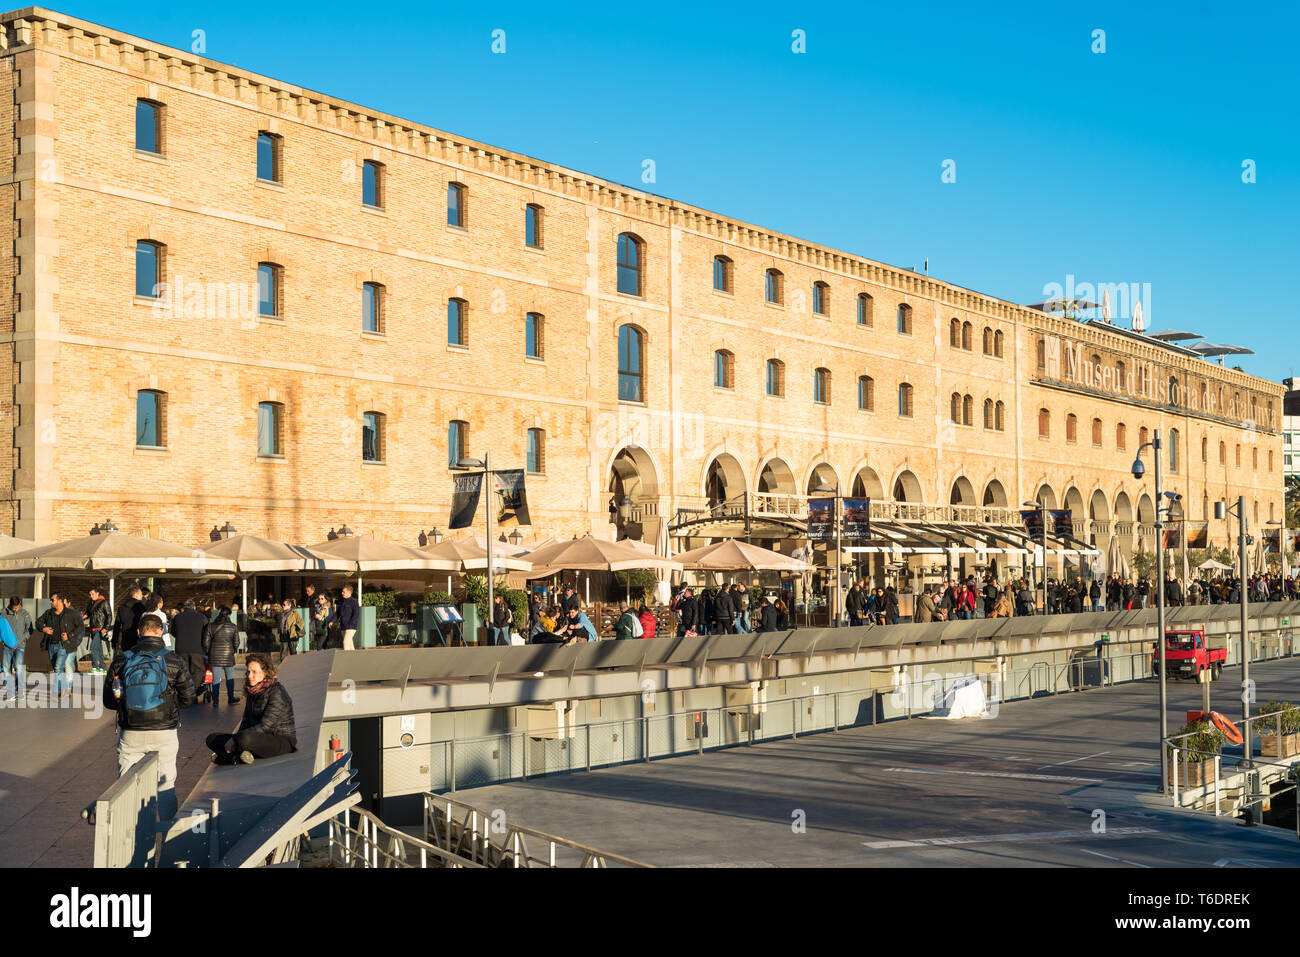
[
  {"x": 219, "y": 640},
  {"x": 271, "y": 712},
  {"x": 180, "y": 691},
  {"x": 100, "y": 614}
]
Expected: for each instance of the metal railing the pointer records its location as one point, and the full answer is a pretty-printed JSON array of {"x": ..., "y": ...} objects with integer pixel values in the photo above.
[
  {"x": 1242, "y": 781},
  {"x": 369, "y": 843},
  {"x": 125, "y": 817},
  {"x": 491, "y": 840}
]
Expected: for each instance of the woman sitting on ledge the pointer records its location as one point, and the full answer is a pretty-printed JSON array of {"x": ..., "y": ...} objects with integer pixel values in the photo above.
[{"x": 268, "y": 728}]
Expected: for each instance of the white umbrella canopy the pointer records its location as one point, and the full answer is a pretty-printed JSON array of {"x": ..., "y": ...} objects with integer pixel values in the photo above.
[
  {"x": 471, "y": 554},
  {"x": 11, "y": 546},
  {"x": 1210, "y": 565},
  {"x": 255, "y": 555},
  {"x": 733, "y": 554},
  {"x": 594, "y": 554},
  {"x": 1116, "y": 563},
  {"x": 376, "y": 555},
  {"x": 117, "y": 551}
]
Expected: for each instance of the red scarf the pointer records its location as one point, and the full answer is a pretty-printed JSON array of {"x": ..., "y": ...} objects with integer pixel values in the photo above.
[{"x": 260, "y": 686}]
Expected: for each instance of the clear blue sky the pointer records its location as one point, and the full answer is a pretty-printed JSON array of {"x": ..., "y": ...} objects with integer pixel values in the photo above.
[{"x": 1116, "y": 167}]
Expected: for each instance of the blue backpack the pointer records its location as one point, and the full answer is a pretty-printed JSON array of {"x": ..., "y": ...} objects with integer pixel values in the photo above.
[{"x": 144, "y": 680}]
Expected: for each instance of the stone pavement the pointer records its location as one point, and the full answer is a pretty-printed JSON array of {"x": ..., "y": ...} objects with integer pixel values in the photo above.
[{"x": 56, "y": 761}]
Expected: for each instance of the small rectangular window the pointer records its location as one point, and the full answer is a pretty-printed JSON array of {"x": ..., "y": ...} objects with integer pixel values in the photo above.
[
  {"x": 268, "y": 157},
  {"x": 533, "y": 336},
  {"x": 150, "y": 408},
  {"x": 372, "y": 437},
  {"x": 533, "y": 227},
  {"x": 268, "y": 428},
  {"x": 456, "y": 440},
  {"x": 148, "y": 269},
  {"x": 148, "y": 127},
  {"x": 372, "y": 308},
  {"x": 372, "y": 184},
  {"x": 536, "y": 461}
]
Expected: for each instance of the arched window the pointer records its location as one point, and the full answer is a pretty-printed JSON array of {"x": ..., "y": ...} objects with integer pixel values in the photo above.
[
  {"x": 534, "y": 327},
  {"x": 268, "y": 157},
  {"x": 630, "y": 255},
  {"x": 457, "y": 443},
  {"x": 722, "y": 273},
  {"x": 1121, "y": 376},
  {"x": 372, "y": 307},
  {"x": 150, "y": 268},
  {"x": 1096, "y": 432},
  {"x": 1142, "y": 436},
  {"x": 967, "y": 410},
  {"x": 457, "y": 195},
  {"x": 457, "y": 322},
  {"x": 905, "y": 319},
  {"x": 866, "y": 393},
  {"x": 149, "y": 127},
  {"x": 822, "y": 386},
  {"x": 631, "y": 364},
  {"x": 988, "y": 413},
  {"x": 372, "y": 437},
  {"x": 905, "y": 400},
  {"x": 535, "y": 461},
  {"x": 1173, "y": 450},
  {"x": 774, "y": 286},
  {"x": 270, "y": 427},
  {"x": 372, "y": 184},
  {"x": 1121, "y": 435},
  {"x": 865, "y": 303},
  {"x": 967, "y": 336},
  {"x": 775, "y": 377},
  {"x": 954, "y": 408},
  {"x": 1236, "y": 405},
  {"x": 268, "y": 290},
  {"x": 533, "y": 215},
  {"x": 724, "y": 364},
  {"x": 999, "y": 416},
  {"x": 1040, "y": 349},
  {"x": 821, "y": 298},
  {"x": 1044, "y": 424},
  {"x": 151, "y": 419},
  {"x": 1071, "y": 427},
  {"x": 988, "y": 341},
  {"x": 1223, "y": 453},
  {"x": 954, "y": 333},
  {"x": 1205, "y": 449},
  {"x": 997, "y": 344}
]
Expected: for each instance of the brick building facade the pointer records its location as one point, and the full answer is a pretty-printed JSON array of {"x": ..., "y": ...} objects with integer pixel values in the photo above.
[{"x": 926, "y": 391}]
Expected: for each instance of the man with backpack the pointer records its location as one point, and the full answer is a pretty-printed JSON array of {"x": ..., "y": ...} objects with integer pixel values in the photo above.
[
  {"x": 628, "y": 624},
  {"x": 148, "y": 686}
]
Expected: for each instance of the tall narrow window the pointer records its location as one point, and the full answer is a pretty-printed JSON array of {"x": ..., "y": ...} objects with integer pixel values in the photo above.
[
  {"x": 1040, "y": 350},
  {"x": 723, "y": 369},
  {"x": 967, "y": 410},
  {"x": 954, "y": 408},
  {"x": 631, "y": 366},
  {"x": 268, "y": 428},
  {"x": 1044, "y": 424},
  {"x": 775, "y": 377},
  {"x": 1096, "y": 432},
  {"x": 999, "y": 417},
  {"x": 372, "y": 184},
  {"x": 822, "y": 386},
  {"x": 1254, "y": 459},
  {"x": 905, "y": 400},
  {"x": 456, "y": 197},
  {"x": 1223, "y": 454},
  {"x": 997, "y": 344},
  {"x": 268, "y": 157},
  {"x": 533, "y": 323},
  {"x": 457, "y": 322},
  {"x": 268, "y": 290},
  {"x": 866, "y": 393},
  {"x": 865, "y": 303},
  {"x": 988, "y": 413},
  {"x": 149, "y": 271},
  {"x": 905, "y": 319},
  {"x": 722, "y": 267},
  {"x": 630, "y": 254},
  {"x": 536, "y": 459},
  {"x": 821, "y": 298},
  {"x": 457, "y": 442},
  {"x": 1071, "y": 428},
  {"x": 988, "y": 341},
  {"x": 1142, "y": 436},
  {"x": 150, "y": 419},
  {"x": 954, "y": 333},
  {"x": 1121, "y": 436},
  {"x": 1205, "y": 449},
  {"x": 372, "y": 437},
  {"x": 967, "y": 336},
  {"x": 1121, "y": 377},
  {"x": 533, "y": 226},
  {"x": 1173, "y": 450},
  {"x": 372, "y": 307},
  {"x": 149, "y": 127},
  {"x": 774, "y": 286}
]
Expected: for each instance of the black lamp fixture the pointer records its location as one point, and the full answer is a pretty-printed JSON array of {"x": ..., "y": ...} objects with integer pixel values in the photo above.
[
  {"x": 422, "y": 540},
  {"x": 228, "y": 531},
  {"x": 345, "y": 532},
  {"x": 625, "y": 508},
  {"x": 107, "y": 526},
  {"x": 215, "y": 534},
  {"x": 515, "y": 537},
  {"x": 332, "y": 536},
  {"x": 94, "y": 529},
  {"x": 435, "y": 536}
]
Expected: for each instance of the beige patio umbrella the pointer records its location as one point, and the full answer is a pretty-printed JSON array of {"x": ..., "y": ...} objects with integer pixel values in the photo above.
[
  {"x": 731, "y": 554},
  {"x": 470, "y": 554},
  {"x": 365, "y": 554},
  {"x": 594, "y": 554},
  {"x": 11, "y": 546},
  {"x": 254, "y": 555},
  {"x": 1116, "y": 563}
]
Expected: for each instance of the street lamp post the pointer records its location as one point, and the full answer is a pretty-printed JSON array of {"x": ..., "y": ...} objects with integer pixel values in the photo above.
[
  {"x": 1240, "y": 511},
  {"x": 487, "y": 482},
  {"x": 834, "y": 590},
  {"x": 1138, "y": 470},
  {"x": 1042, "y": 508}
]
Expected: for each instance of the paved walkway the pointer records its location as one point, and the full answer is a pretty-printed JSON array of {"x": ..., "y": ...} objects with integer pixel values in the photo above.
[{"x": 56, "y": 761}]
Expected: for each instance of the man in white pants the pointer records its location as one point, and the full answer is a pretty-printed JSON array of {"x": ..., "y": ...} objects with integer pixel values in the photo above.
[
  {"x": 349, "y": 617},
  {"x": 148, "y": 686}
]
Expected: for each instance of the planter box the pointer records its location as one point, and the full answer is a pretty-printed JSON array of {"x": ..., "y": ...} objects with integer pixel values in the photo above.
[
  {"x": 1192, "y": 774},
  {"x": 1268, "y": 745}
]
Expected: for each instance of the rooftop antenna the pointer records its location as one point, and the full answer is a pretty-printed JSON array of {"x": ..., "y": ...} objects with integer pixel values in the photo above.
[{"x": 927, "y": 265}]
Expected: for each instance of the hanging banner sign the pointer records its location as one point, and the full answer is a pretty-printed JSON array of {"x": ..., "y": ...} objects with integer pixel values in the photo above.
[
  {"x": 856, "y": 518},
  {"x": 1062, "y": 521},
  {"x": 1198, "y": 534},
  {"x": 512, "y": 498},
  {"x": 821, "y": 519},
  {"x": 464, "y": 499},
  {"x": 1173, "y": 537}
]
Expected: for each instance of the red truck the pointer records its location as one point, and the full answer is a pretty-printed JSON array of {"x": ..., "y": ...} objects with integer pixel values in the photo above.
[{"x": 1188, "y": 655}]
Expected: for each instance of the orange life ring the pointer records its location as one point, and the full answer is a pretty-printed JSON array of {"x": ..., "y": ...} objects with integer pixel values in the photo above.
[{"x": 1229, "y": 729}]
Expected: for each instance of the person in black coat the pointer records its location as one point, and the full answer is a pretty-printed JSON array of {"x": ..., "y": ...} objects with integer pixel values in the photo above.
[
  {"x": 723, "y": 613},
  {"x": 126, "y": 631},
  {"x": 219, "y": 640},
  {"x": 766, "y": 615},
  {"x": 268, "y": 728},
  {"x": 187, "y": 633},
  {"x": 687, "y": 609}
]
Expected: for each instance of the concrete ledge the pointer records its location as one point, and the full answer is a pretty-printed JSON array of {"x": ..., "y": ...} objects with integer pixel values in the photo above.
[{"x": 245, "y": 793}]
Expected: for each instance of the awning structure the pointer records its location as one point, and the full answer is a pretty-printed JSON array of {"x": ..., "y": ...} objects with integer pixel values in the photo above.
[{"x": 932, "y": 538}]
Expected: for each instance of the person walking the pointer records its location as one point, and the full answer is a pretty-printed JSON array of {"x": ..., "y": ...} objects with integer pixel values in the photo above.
[
  {"x": 628, "y": 624},
  {"x": 740, "y": 602},
  {"x": 291, "y": 629},
  {"x": 154, "y": 609},
  {"x": 766, "y": 615},
  {"x": 62, "y": 628},
  {"x": 855, "y": 605},
  {"x": 723, "y": 613},
  {"x": 648, "y": 623},
  {"x": 925, "y": 608},
  {"x": 12, "y": 658},
  {"x": 348, "y": 616},
  {"x": 502, "y": 617},
  {"x": 187, "y": 642},
  {"x": 219, "y": 640},
  {"x": 99, "y": 619},
  {"x": 126, "y": 628},
  {"x": 891, "y": 605},
  {"x": 268, "y": 728},
  {"x": 148, "y": 686},
  {"x": 687, "y": 609},
  {"x": 782, "y": 614}
]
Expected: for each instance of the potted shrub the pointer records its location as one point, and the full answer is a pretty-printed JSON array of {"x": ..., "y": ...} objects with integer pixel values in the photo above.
[
  {"x": 1196, "y": 753},
  {"x": 1269, "y": 744}
]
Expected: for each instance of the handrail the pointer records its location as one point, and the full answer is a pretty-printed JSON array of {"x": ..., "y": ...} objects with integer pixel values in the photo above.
[
  {"x": 125, "y": 817},
  {"x": 368, "y": 847}
]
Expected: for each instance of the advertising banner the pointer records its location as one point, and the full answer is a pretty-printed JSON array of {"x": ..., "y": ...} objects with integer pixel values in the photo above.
[
  {"x": 512, "y": 498},
  {"x": 856, "y": 518},
  {"x": 821, "y": 519},
  {"x": 464, "y": 499}
]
